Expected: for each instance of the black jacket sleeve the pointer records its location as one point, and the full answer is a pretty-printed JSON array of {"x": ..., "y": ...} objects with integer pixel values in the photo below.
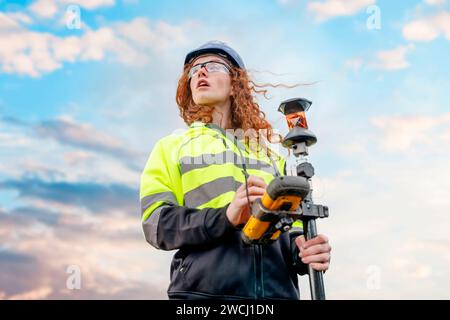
[{"x": 180, "y": 226}]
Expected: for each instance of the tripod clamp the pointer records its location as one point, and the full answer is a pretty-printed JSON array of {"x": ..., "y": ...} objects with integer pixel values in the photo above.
[{"x": 309, "y": 209}]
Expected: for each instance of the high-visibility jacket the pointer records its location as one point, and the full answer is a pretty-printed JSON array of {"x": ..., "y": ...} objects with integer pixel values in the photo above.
[{"x": 187, "y": 184}]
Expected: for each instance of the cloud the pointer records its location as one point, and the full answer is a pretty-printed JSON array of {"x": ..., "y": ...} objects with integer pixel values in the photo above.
[
  {"x": 7, "y": 256},
  {"x": 67, "y": 131},
  {"x": 37, "y": 294},
  {"x": 91, "y": 4},
  {"x": 98, "y": 198},
  {"x": 36, "y": 249},
  {"x": 15, "y": 263},
  {"x": 400, "y": 133},
  {"x": 394, "y": 59},
  {"x": 380, "y": 194},
  {"x": 44, "y": 8},
  {"x": 328, "y": 9},
  {"x": 65, "y": 154},
  {"x": 36, "y": 214},
  {"x": 388, "y": 200},
  {"x": 19, "y": 17},
  {"x": 389, "y": 60},
  {"x": 161, "y": 36},
  {"x": 420, "y": 30},
  {"x": 47, "y": 9},
  {"x": 35, "y": 257},
  {"x": 12, "y": 21},
  {"x": 33, "y": 53},
  {"x": 434, "y": 2},
  {"x": 428, "y": 29}
]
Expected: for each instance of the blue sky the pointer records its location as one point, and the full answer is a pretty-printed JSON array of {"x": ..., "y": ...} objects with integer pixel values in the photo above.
[{"x": 80, "y": 110}]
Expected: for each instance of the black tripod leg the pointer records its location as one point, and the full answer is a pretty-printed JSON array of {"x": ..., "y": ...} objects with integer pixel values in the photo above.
[{"x": 315, "y": 277}]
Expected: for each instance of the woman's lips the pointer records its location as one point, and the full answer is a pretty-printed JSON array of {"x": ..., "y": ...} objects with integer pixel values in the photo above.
[{"x": 202, "y": 84}]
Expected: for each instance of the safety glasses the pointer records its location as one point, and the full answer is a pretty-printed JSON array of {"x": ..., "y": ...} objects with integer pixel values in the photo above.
[{"x": 211, "y": 66}]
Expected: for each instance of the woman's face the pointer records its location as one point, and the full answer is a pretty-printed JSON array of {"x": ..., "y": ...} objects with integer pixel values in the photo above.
[{"x": 218, "y": 84}]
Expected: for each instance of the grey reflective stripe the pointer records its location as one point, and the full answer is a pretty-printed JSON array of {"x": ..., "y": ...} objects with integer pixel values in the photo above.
[
  {"x": 296, "y": 230},
  {"x": 209, "y": 191},
  {"x": 205, "y": 160},
  {"x": 150, "y": 227},
  {"x": 147, "y": 201}
]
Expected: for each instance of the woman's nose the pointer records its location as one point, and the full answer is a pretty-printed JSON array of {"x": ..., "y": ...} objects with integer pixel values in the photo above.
[{"x": 202, "y": 71}]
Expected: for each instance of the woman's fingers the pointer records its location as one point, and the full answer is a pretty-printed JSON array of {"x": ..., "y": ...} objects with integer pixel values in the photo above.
[
  {"x": 256, "y": 181},
  {"x": 321, "y": 258},
  {"x": 252, "y": 191},
  {"x": 319, "y": 239},
  {"x": 318, "y": 248},
  {"x": 243, "y": 201},
  {"x": 252, "y": 181},
  {"x": 320, "y": 266}
]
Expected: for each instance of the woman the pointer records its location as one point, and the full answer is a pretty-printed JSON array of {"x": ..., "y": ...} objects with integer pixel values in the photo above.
[{"x": 197, "y": 188}]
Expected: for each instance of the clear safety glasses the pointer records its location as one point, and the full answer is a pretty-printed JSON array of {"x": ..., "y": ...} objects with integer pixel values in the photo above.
[{"x": 211, "y": 66}]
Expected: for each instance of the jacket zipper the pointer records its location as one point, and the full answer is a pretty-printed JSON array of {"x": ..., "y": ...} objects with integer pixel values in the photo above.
[
  {"x": 258, "y": 271},
  {"x": 257, "y": 249}
]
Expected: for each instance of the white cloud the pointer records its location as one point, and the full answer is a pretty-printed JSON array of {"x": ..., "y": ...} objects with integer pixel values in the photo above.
[
  {"x": 393, "y": 59},
  {"x": 434, "y": 2},
  {"x": 68, "y": 151},
  {"x": 161, "y": 36},
  {"x": 442, "y": 22},
  {"x": 29, "y": 53},
  {"x": 334, "y": 8},
  {"x": 37, "y": 294},
  {"x": 20, "y": 17},
  {"x": 403, "y": 132},
  {"x": 95, "y": 252},
  {"x": 48, "y": 9},
  {"x": 428, "y": 29},
  {"x": 376, "y": 210},
  {"x": 97, "y": 244},
  {"x": 7, "y": 23},
  {"x": 90, "y": 4},
  {"x": 35, "y": 53},
  {"x": 420, "y": 30},
  {"x": 44, "y": 8}
]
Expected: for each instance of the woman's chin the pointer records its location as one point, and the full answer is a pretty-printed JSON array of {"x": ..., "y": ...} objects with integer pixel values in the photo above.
[{"x": 205, "y": 101}]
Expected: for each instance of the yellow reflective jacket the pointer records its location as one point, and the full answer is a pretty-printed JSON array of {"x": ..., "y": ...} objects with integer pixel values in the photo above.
[{"x": 186, "y": 187}]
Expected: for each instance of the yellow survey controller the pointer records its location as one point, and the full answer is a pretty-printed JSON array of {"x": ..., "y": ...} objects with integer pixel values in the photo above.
[{"x": 276, "y": 211}]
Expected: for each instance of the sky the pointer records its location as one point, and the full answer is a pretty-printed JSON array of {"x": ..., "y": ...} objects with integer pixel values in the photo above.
[{"x": 88, "y": 87}]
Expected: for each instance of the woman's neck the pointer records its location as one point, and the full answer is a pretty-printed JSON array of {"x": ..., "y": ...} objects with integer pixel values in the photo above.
[{"x": 222, "y": 115}]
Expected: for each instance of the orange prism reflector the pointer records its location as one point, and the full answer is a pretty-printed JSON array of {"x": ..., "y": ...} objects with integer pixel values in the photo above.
[{"x": 297, "y": 119}]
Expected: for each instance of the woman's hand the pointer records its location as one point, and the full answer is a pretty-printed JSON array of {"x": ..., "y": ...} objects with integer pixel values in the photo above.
[
  {"x": 315, "y": 251},
  {"x": 238, "y": 212}
]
